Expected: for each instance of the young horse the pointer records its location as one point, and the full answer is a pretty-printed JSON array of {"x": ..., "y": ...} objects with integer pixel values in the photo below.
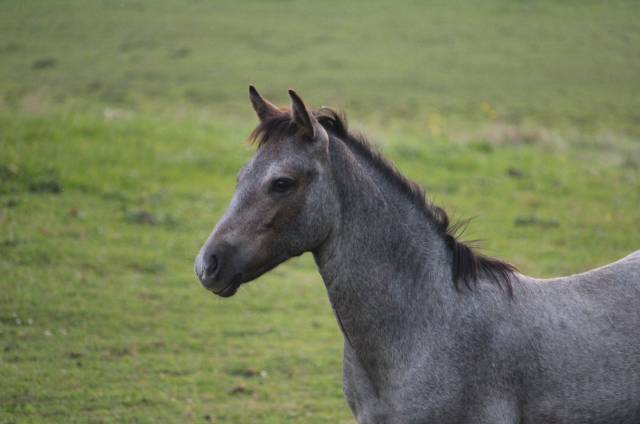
[{"x": 434, "y": 332}]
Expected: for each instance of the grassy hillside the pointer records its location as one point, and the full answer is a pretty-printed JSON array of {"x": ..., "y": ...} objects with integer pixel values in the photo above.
[
  {"x": 122, "y": 126},
  {"x": 570, "y": 64}
]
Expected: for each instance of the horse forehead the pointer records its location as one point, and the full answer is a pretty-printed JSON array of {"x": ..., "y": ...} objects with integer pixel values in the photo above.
[
  {"x": 265, "y": 165},
  {"x": 281, "y": 153},
  {"x": 281, "y": 147}
]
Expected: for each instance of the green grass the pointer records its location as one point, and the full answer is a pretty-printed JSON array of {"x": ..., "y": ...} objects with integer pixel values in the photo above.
[
  {"x": 568, "y": 64},
  {"x": 122, "y": 126}
]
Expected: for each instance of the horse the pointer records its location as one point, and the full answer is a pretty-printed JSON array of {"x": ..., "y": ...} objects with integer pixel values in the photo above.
[{"x": 434, "y": 332}]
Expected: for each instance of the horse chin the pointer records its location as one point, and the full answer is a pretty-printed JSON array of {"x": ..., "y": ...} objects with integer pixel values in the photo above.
[{"x": 246, "y": 277}]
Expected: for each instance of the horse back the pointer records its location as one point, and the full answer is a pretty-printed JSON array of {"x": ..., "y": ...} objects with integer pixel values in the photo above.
[{"x": 582, "y": 358}]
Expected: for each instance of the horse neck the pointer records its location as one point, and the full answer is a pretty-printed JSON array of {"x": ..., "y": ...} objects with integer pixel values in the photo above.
[{"x": 385, "y": 267}]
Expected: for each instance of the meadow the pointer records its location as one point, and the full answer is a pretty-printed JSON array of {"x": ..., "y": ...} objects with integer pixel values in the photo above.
[{"x": 122, "y": 127}]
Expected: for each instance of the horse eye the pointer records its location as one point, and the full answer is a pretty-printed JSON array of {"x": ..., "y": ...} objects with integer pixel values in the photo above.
[{"x": 282, "y": 185}]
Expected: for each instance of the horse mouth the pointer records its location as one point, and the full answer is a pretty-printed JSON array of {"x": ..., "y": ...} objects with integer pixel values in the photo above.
[
  {"x": 241, "y": 278},
  {"x": 230, "y": 288}
]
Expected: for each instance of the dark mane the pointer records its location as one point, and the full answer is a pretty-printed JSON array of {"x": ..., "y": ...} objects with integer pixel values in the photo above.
[{"x": 466, "y": 264}]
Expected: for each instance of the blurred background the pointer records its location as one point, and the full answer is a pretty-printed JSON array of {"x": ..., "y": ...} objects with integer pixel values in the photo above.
[{"x": 123, "y": 124}]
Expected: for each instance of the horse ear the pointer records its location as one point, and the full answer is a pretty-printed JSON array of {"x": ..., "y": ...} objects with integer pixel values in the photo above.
[
  {"x": 264, "y": 108},
  {"x": 301, "y": 115}
]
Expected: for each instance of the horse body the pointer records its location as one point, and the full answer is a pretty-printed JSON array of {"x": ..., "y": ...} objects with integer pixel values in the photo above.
[
  {"x": 560, "y": 351},
  {"x": 433, "y": 331},
  {"x": 585, "y": 339},
  {"x": 564, "y": 350}
]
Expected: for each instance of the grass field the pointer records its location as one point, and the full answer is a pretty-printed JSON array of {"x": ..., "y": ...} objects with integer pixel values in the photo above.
[{"x": 122, "y": 125}]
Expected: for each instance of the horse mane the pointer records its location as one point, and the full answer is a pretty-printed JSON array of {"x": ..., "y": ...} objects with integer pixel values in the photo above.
[{"x": 467, "y": 264}]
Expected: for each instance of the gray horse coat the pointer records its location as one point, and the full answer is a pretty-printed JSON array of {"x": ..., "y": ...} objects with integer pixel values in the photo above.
[{"x": 434, "y": 332}]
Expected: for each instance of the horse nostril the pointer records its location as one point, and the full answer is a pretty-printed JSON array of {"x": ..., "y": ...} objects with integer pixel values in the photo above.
[{"x": 212, "y": 264}]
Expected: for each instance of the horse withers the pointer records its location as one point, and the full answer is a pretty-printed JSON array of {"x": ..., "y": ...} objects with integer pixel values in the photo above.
[{"x": 434, "y": 332}]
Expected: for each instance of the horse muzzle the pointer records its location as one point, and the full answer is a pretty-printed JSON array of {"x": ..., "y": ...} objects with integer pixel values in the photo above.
[{"x": 208, "y": 268}]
